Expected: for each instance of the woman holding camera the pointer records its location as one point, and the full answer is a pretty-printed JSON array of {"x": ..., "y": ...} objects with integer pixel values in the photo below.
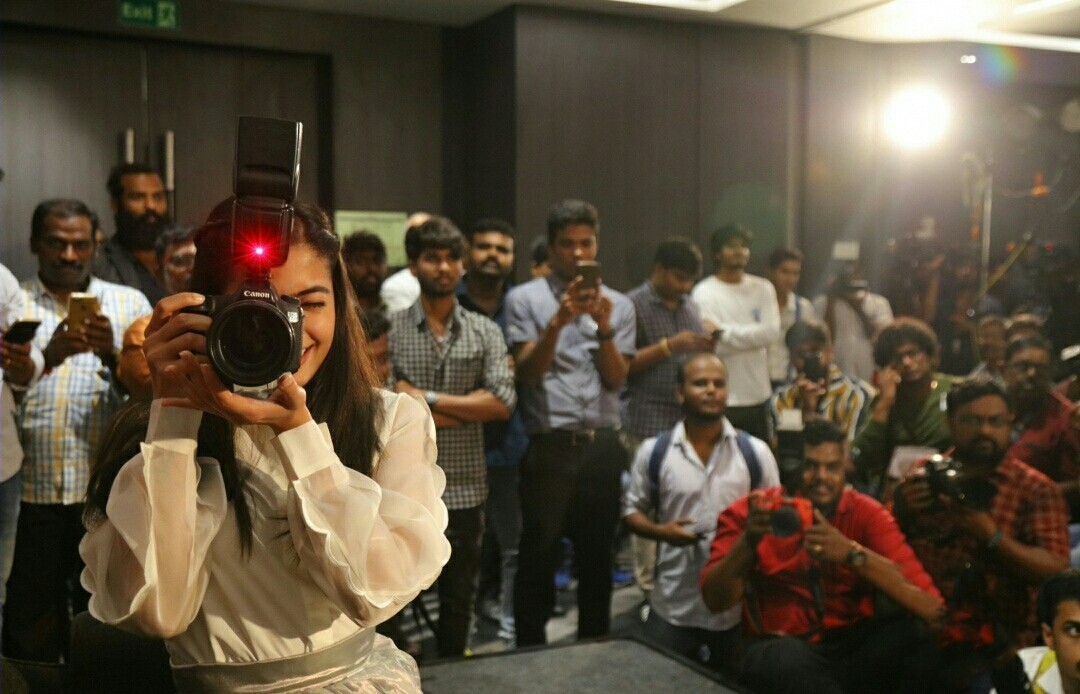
[{"x": 265, "y": 539}]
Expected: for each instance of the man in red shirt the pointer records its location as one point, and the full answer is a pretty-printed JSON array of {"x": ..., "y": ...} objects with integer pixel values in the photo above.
[
  {"x": 988, "y": 551},
  {"x": 809, "y": 599},
  {"x": 1043, "y": 435}
]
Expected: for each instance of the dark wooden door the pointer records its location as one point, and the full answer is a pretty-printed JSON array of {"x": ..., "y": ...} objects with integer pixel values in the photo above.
[
  {"x": 199, "y": 92},
  {"x": 64, "y": 104}
]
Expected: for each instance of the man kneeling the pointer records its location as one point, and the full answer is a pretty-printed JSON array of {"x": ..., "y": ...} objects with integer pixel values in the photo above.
[{"x": 807, "y": 570}]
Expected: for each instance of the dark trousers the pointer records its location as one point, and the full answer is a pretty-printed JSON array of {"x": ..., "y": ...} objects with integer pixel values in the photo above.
[
  {"x": 878, "y": 655},
  {"x": 569, "y": 486},
  {"x": 718, "y": 650},
  {"x": 753, "y": 419},
  {"x": 502, "y": 534},
  {"x": 458, "y": 580},
  {"x": 44, "y": 590}
]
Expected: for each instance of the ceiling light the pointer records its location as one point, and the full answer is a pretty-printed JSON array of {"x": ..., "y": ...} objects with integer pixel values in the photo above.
[
  {"x": 916, "y": 117},
  {"x": 968, "y": 59}
]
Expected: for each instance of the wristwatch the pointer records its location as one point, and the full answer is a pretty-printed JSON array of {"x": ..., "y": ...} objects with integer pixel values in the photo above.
[
  {"x": 856, "y": 556},
  {"x": 431, "y": 397}
]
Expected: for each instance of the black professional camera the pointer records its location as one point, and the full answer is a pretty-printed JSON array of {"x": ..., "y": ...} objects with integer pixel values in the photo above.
[
  {"x": 946, "y": 477},
  {"x": 255, "y": 335}
]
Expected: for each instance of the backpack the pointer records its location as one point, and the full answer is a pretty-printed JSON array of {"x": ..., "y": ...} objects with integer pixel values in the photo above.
[{"x": 663, "y": 443}]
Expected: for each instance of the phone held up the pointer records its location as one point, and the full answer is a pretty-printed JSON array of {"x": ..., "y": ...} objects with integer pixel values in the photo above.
[
  {"x": 21, "y": 331},
  {"x": 589, "y": 271},
  {"x": 81, "y": 307}
]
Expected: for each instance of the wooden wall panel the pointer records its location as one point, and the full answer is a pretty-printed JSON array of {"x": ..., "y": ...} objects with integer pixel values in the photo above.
[{"x": 608, "y": 112}]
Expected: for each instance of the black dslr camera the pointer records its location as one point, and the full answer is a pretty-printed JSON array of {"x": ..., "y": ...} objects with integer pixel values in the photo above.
[
  {"x": 946, "y": 478},
  {"x": 255, "y": 335}
]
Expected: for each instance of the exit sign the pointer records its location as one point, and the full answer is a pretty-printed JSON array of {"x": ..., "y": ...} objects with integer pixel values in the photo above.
[{"x": 159, "y": 14}]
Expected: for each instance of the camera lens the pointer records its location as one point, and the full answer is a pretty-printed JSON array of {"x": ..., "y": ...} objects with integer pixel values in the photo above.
[
  {"x": 784, "y": 522},
  {"x": 249, "y": 343}
]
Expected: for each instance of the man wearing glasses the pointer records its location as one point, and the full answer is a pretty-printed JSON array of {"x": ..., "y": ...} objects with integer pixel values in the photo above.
[
  {"x": 907, "y": 418},
  {"x": 989, "y": 539}
]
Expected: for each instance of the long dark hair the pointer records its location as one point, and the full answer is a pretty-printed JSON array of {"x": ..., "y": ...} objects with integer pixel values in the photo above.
[{"x": 342, "y": 393}]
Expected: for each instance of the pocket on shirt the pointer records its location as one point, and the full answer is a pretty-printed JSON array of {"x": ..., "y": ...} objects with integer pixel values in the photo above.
[{"x": 463, "y": 374}]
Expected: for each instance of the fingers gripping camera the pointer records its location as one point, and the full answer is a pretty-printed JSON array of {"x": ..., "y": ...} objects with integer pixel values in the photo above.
[{"x": 787, "y": 515}]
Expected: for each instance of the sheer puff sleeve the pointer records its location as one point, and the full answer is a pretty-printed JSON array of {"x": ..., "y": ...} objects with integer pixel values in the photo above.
[
  {"x": 371, "y": 544},
  {"x": 146, "y": 564}
]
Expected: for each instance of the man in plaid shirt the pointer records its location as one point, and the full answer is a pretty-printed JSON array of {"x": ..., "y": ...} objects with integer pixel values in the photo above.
[
  {"x": 61, "y": 418},
  {"x": 455, "y": 360},
  {"x": 987, "y": 554}
]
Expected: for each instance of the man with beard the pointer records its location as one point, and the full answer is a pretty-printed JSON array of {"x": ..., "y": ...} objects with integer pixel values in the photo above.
[
  {"x": 483, "y": 290},
  {"x": 456, "y": 361},
  {"x": 60, "y": 420},
  {"x": 364, "y": 254},
  {"x": 679, "y": 483},
  {"x": 993, "y": 536},
  {"x": 812, "y": 599},
  {"x": 1042, "y": 435},
  {"x": 140, "y": 210}
]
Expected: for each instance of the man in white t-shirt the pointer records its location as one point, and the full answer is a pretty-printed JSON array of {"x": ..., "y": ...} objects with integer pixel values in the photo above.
[
  {"x": 401, "y": 289},
  {"x": 744, "y": 309}
]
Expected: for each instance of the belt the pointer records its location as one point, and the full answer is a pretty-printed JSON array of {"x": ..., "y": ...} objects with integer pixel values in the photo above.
[
  {"x": 573, "y": 437},
  {"x": 327, "y": 666}
]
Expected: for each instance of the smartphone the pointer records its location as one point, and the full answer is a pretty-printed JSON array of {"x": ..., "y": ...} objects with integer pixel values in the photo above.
[
  {"x": 589, "y": 270},
  {"x": 21, "y": 331},
  {"x": 81, "y": 307}
]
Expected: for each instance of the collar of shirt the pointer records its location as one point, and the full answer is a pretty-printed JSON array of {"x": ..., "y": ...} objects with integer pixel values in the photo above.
[
  {"x": 418, "y": 318},
  {"x": 556, "y": 285},
  {"x": 655, "y": 297},
  {"x": 466, "y": 302},
  {"x": 679, "y": 439},
  {"x": 38, "y": 289}
]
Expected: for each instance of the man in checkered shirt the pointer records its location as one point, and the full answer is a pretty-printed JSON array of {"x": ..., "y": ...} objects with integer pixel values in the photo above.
[
  {"x": 61, "y": 417},
  {"x": 456, "y": 360},
  {"x": 987, "y": 554}
]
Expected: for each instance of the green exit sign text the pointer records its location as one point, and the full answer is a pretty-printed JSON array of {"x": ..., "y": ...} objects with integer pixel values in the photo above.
[{"x": 159, "y": 14}]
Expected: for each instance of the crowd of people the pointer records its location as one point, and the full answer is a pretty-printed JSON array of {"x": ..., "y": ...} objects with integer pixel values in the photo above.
[{"x": 850, "y": 493}]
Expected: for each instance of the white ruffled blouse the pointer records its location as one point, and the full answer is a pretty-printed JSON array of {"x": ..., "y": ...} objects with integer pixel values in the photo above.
[{"x": 334, "y": 551}]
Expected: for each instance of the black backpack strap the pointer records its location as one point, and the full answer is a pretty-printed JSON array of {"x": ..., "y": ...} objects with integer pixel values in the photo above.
[
  {"x": 750, "y": 456},
  {"x": 656, "y": 458}
]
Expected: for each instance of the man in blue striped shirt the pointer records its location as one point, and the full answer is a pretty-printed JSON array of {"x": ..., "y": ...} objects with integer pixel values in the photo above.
[{"x": 60, "y": 421}]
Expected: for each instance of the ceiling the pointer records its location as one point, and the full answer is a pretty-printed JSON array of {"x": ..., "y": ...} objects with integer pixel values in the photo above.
[{"x": 1050, "y": 24}]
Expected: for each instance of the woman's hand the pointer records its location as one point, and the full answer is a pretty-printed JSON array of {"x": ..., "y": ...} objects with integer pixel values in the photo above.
[
  {"x": 169, "y": 333},
  {"x": 182, "y": 375}
]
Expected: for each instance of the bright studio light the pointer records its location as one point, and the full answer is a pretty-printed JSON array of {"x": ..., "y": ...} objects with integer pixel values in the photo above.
[{"x": 916, "y": 117}]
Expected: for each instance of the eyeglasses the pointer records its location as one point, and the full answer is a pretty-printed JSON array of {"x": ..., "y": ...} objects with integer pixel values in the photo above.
[
  {"x": 58, "y": 245},
  {"x": 181, "y": 260},
  {"x": 975, "y": 421}
]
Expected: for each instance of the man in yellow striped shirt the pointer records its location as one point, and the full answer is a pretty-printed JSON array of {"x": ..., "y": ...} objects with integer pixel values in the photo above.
[{"x": 820, "y": 389}]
